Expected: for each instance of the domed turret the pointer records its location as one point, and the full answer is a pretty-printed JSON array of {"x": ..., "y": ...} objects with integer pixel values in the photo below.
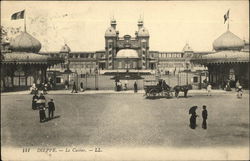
[
  {"x": 228, "y": 41},
  {"x": 65, "y": 49},
  {"x": 187, "y": 48},
  {"x": 25, "y": 43},
  {"x": 110, "y": 32},
  {"x": 143, "y": 32}
]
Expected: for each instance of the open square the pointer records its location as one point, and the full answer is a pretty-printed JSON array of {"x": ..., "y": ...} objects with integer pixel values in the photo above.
[{"x": 126, "y": 120}]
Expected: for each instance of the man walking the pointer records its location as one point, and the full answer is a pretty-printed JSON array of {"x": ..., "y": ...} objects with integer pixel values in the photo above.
[
  {"x": 204, "y": 117},
  {"x": 74, "y": 88},
  {"x": 51, "y": 108}
]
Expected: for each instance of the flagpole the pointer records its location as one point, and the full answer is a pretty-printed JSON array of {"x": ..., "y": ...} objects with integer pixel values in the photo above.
[{"x": 24, "y": 21}]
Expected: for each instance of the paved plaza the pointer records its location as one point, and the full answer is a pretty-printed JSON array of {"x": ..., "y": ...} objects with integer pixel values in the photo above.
[{"x": 127, "y": 120}]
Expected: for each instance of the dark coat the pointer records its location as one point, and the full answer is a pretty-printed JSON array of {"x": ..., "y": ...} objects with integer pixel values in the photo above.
[
  {"x": 51, "y": 106},
  {"x": 204, "y": 114},
  {"x": 35, "y": 97}
]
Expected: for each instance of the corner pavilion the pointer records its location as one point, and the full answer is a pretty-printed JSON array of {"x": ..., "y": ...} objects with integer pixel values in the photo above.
[
  {"x": 22, "y": 65},
  {"x": 229, "y": 63}
]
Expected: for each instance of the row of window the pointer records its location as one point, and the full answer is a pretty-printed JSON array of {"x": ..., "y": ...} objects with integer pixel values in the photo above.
[
  {"x": 171, "y": 65},
  {"x": 85, "y": 55},
  {"x": 82, "y": 65},
  {"x": 170, "y": 55},
  {"x": 88, "y": 55}
]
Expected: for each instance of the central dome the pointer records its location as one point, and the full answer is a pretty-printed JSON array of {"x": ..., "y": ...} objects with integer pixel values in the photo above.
[
  {"x": 25, "y": 43},
  {"x": 228, "y": 41},
  {"x": 127, "y": 53}
]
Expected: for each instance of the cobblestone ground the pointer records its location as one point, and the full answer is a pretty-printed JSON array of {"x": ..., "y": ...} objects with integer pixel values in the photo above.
[{"x": 126, "y": 120}]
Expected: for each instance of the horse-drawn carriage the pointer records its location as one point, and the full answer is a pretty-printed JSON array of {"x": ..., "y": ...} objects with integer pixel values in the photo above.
[
  {"x": 160, "y": 88},
  {"x": 157, "y": 88}
]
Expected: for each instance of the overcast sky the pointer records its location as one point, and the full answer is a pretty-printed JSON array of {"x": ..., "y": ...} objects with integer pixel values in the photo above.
[{"x": 171, "y": 24}]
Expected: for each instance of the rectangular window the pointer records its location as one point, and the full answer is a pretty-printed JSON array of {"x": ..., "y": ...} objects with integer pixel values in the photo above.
[
  {"x": 120, "y": 65},
  {"x": 110, "y": 45},
  {"x": 58, "y": 80},
  {"x": 195, "y": 79}
]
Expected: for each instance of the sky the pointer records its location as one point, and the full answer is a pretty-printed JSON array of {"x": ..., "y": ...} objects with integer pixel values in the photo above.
[{"x": 171, "y": 24}]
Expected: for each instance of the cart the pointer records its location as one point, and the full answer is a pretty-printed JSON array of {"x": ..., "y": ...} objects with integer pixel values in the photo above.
[{"x": 154, "y": 88}]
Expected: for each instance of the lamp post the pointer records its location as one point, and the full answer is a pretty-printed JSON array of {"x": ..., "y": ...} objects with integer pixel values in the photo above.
[
  {"x": 127, "y": 65},
  {"x": 96, "y": 78},
  {"x": 187, "y": 66}
]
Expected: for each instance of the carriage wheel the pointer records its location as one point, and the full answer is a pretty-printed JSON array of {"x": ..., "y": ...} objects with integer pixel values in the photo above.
[
  {"x": 152, "y": 92},
  {"x": 170, "y": 94}
]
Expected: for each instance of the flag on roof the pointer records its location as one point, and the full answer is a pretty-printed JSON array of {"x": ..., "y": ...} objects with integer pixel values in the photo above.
[
  {"x": 226, "y": 16},
  {"x": 18, "y": 15}
]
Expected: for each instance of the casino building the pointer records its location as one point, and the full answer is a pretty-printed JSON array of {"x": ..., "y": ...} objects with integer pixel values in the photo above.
[
  {"x": 132, "y": 54},
  {"x": 128, "y": 52}
]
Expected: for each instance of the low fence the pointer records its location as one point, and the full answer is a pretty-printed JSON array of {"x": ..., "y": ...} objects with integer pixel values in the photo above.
[{"x": 104, "y": 82}]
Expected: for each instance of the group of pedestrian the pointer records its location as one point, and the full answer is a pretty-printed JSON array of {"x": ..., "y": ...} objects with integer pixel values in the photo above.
[
  {"x": 42, "y": 87},
  {"x": 119, "y": 86},
  {"x": 74, "y": 87},
  {"x": 39, "y": 102},
  {"x": 193, "y": 117}
]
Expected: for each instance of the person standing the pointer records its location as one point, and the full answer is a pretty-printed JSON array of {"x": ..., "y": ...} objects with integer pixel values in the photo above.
[
  {"x": 41, "y": 100},
  {"x": 74, "y": 88},
  {"x": 41, "y": 104},
  {"x": 34, "y": 101},
  {"x": 204, "y": 117},
  {"x": 126, "y": 85},
  {"x": 45, "y": 88},
  {"x": 81, "y": 86},
  {"x": 51, "y": 108},
  {"x": 66, "y": 85},
  {"x": 239, "y": 91},
  {"x": 135, "y": 87},
  {"x": 192, "y": 119},
  {"x": 209, "y": 89}
]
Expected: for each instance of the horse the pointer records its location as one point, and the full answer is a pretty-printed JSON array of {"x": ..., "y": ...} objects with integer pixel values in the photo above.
[{"x": 183, "y": 88}]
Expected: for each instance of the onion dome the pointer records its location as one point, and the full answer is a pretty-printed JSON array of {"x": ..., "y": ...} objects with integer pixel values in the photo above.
[
  {"x": 25, "y": 43},
  {"x": 143, "y": 32},
  {"x": 127, "y": 53},
  {"x": 228, "y": 41},
  {"x": 110, "y": 32},
  {"x": 65, "y": 49},
  {"x": 187, "y": 48}
]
